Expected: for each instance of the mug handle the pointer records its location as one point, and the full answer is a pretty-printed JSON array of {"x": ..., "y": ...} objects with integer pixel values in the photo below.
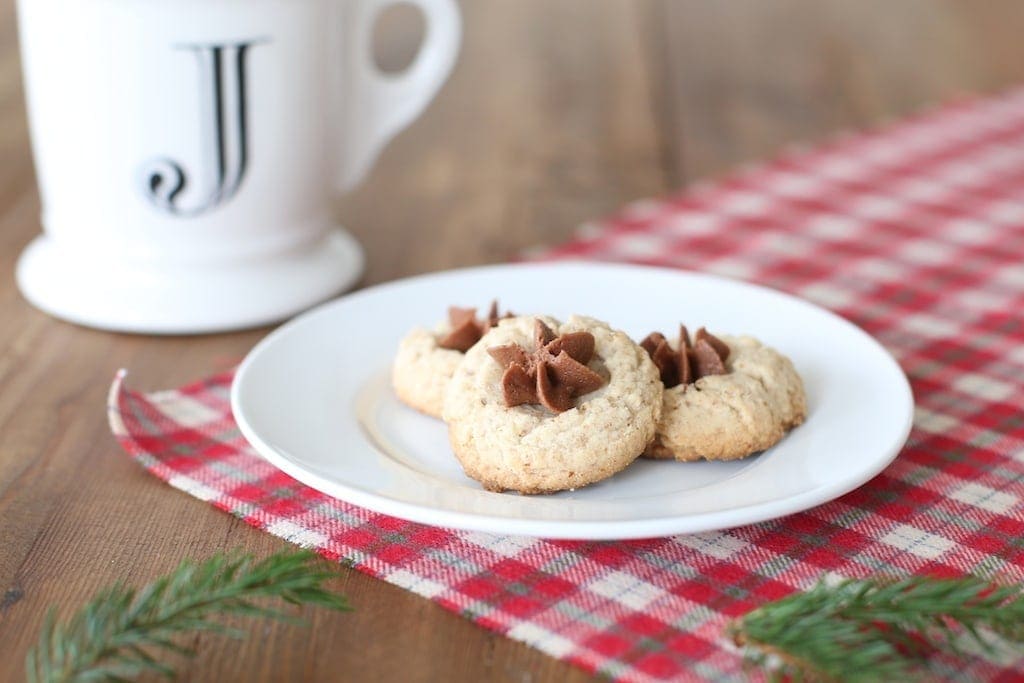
[{"x": 379, "y": 105}]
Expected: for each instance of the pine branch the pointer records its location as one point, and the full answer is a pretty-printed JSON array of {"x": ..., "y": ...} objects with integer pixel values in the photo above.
[
  {"x": 120, "y": 632},
  {"x": 872, "y": 630}
]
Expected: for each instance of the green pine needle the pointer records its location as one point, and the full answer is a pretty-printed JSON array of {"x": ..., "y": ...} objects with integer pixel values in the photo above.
[
  {"x": 120, "y": 633},
  {"x": 878, "y": 630}
]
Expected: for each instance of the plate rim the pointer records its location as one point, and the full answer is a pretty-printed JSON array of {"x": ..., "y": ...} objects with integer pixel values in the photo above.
[{"x": 565, "y": 529}]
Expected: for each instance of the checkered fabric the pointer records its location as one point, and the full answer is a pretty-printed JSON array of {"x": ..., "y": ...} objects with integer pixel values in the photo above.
[{"x": 915, "y": 233}]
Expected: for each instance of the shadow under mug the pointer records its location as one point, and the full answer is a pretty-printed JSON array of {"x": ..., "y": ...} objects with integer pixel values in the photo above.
[{"x": 188, "y": 152}]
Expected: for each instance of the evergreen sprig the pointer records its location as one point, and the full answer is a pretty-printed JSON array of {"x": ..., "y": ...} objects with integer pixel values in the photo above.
[
  {"x": 878, "y": 630},
  {"x": 119, "y": 634}
]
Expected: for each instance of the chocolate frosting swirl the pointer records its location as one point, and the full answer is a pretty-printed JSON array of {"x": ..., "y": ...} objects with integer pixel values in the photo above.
[
  {"x": 689, "y": 362},
  {"x": 466, "y": 329},
  {"x": 553, "y": 374}
]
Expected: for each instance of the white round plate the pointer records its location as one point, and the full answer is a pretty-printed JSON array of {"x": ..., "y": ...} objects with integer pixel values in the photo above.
[{"x": 314, "y": 398}]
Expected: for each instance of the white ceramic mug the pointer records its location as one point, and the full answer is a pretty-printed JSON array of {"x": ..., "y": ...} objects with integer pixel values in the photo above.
[{"x": 187, "y": 152}]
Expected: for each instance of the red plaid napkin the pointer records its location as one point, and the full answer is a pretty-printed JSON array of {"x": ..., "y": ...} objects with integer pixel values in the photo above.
[{"x": 916, "y": 233}]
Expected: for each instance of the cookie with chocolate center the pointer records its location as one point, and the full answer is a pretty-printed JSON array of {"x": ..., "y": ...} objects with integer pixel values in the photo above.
[
  {"x": 539, "y": 406},
  {"x": 427, "y": 359},
  {"x": 725, "y": 397}
]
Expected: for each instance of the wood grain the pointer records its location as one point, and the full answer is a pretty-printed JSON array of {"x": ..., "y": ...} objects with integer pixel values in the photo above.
[
  {"x": 748, "y": 78},
  {"x": 557, "y": 113}
]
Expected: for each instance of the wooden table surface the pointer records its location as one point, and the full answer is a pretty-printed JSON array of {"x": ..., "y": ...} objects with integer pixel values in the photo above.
[{"x": 557, "y": 112}]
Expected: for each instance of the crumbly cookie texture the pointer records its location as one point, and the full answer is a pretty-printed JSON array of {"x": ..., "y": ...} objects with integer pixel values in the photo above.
[
  {"x": 422, "y": 370},
  {"x": 731, "y": 416},
  {"x": 533, "y": 450}
]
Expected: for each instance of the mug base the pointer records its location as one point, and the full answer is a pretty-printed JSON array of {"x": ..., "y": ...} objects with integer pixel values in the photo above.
[{"x": 181, "y": 299}]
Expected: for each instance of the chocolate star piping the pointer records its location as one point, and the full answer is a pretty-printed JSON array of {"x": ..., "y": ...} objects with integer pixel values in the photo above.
[
  {"x": 689, "y": 362},
  {"x": 553, "y": 374},
  {"x": 466, "y": 329}
]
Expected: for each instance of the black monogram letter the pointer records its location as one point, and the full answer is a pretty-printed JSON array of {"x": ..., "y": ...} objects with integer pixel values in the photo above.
[{"x": 225, "y": 144}]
